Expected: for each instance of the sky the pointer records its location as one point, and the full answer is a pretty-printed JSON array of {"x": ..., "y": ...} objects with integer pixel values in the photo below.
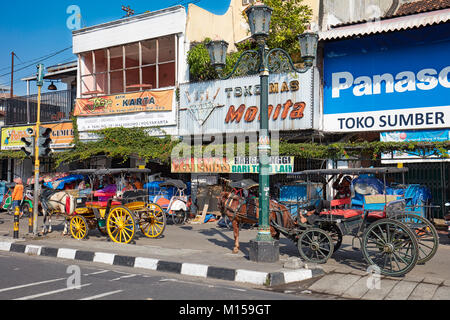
[{"x": 35, "y": 29}]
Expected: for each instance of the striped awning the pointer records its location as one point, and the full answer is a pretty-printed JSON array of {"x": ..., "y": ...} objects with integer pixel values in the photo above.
[{"x": 387, "y": 25}]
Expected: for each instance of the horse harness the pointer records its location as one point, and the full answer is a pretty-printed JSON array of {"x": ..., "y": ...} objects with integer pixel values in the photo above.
[{"x": 238, "y": 195}]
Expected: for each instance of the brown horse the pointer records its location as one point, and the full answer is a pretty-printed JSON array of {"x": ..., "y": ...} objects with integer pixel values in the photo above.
[{"x": 240, "y": 210}]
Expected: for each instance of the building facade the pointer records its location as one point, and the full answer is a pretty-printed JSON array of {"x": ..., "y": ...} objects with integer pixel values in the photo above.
[{"x": 390, "y": 80}]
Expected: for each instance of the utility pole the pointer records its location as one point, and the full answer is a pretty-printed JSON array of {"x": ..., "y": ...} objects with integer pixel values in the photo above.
[
  {"x": 12, "y": 75},
  {"x": 37, "y": 164}
]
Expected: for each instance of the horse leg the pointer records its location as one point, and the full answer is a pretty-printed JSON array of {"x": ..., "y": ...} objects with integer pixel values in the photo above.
[
  {"x": 44, "y": 227},
  {"x": 50, "y": 223},
  {"x": 66, "y": 228},
  {"x": 236, "y": 235}
]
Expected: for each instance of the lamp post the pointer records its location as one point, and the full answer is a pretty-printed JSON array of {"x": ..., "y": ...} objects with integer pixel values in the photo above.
[{"x": 263, "y": 61}]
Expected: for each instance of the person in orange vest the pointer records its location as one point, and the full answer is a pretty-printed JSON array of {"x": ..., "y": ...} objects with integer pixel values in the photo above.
[{"x": 17, "y": 195}]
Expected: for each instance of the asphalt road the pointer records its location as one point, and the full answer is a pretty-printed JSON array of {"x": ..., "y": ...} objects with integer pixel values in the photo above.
[{"x": 37, "y": 278}]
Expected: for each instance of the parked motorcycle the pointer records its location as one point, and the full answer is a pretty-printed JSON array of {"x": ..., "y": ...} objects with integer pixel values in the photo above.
[{"x": 447, "y": 217}]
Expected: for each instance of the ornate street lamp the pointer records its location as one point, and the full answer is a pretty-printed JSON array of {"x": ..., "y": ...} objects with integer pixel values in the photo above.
[{"x": 263, "y": 61}]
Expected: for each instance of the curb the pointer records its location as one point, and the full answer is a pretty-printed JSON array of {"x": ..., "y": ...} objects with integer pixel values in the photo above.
[{"x": 187, "y": 269}]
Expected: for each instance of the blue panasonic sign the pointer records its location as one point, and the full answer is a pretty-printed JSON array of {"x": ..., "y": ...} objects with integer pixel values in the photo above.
[{"x": 392, "y": 81}]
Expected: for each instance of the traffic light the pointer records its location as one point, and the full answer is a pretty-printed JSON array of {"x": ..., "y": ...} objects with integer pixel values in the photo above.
[
  {"x": 40, "y": 75},
  {"x": 44, "y": 141},
  {"x": 29, "y": 143}
]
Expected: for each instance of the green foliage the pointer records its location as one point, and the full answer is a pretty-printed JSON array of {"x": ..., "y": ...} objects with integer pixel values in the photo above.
[
  {"x": 10, "y": 154},
  {"x": 121, "y": 143},
  {"x": 334, "y": 151},
  {"x": 199, "y": 62},
  {"x": 289, "y": 20}
]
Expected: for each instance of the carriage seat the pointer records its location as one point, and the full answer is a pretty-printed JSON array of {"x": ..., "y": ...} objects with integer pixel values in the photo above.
[
  {"x": 103, "y": 204},
  {"x": 377, "y": 205},
  {"x": 337, "y": 212}
]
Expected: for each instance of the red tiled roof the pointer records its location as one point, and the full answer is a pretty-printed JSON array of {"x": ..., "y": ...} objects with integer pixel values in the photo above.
[{"x": 422, "y": 6}]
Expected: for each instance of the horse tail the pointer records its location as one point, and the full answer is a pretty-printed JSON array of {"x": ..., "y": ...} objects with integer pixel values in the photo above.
[{"x": 70, "y": 204}]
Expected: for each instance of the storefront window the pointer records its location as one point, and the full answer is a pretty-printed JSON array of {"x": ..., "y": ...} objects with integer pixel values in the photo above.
[
  {"x": 101, "y": 62},
  {"x": 116, "y": 80},
  {"x": 166, "y": 49},
  {"x": 139, "y": 66},
  {"x": 87, "y": 65},
  {"x": 148, "y": 52},
  {"x": 132, "y": 55}
]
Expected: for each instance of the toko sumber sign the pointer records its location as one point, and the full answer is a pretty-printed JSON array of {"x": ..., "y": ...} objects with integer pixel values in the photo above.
[{"x": 386, "y": 85}]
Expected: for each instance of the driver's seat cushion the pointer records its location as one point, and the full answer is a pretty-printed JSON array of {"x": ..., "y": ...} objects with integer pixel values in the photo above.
[
  {"x": 343, "y": 213},
  {"x": 103, "y": 204}
]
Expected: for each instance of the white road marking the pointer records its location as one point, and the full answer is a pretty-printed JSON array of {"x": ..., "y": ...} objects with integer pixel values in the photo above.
[
  {"x": 124, "y": 277},
  {"x": 31, "y": 284},
  {"x": 95, "y": 273},
  {"x": 102, "y": 295},
  {"x": 52, "y": 292},
  {"x": 203, "y": 285}
]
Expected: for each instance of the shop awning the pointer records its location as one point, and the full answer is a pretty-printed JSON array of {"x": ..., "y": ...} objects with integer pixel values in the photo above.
[{"x": 387, "y": 25}]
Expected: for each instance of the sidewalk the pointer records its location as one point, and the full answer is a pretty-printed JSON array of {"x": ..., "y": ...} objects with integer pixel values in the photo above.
[{"x": 197, "y": 250}]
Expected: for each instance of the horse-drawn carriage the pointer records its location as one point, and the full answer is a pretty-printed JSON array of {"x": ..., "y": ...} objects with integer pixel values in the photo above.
[
  {"x": 116, "y": 214},
  {"x": 176, "y": 205},
  {"x": 393, "y": 237}
]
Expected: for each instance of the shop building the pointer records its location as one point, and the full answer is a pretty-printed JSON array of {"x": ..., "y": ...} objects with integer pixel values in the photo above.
[
  {"x": 128, "y": 71},
  {"x": 389, "y": 80},
  {"x": 56, "y": 109}
]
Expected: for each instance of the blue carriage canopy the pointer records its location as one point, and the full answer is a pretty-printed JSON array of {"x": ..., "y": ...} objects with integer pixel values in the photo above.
[{"x": 61, "y": 183}]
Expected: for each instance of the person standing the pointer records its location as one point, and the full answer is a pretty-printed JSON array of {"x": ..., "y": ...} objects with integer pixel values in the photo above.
[{"x": 17, "y": 195}]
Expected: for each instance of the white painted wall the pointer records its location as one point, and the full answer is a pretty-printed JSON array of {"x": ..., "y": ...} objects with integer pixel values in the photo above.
[{"x": 137, "y": 28}]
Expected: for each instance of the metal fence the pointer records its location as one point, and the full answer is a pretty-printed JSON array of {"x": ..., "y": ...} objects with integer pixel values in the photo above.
[{"x": 55, "y": 106}]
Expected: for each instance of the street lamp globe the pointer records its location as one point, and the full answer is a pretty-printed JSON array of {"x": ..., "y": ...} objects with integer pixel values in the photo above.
[
  {"x": 218, "y": 53},
  {"x": 259, "y": 17},
  {"x": 308, "y": 46}
]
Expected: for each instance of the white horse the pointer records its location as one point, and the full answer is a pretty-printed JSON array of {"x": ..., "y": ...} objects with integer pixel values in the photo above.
[{"x": 57, "y": 203}]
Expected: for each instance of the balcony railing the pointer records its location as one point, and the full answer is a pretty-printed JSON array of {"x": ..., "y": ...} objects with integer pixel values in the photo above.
[{"x": 55, "y": 106}]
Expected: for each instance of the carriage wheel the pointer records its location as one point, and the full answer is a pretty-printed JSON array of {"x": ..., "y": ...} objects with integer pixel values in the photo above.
[
  {"x": 79, "y": 227},
  {"x": 426, "y": 234},
  {"x": 179, "y": 217},
  {"x": 120, "y": 225},
  {"x": 153, "y": 221},
  {"x": 390, "y": 246},
  {"x": 315, "y": 245},
  {"x": 335, "y": 234}
]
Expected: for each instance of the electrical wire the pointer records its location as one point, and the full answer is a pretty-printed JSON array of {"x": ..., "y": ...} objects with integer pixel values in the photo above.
[
  {"x": 44, "y": 58},
  {"x": 31, "y": 61},
  {"x": 65, "y": 60}
]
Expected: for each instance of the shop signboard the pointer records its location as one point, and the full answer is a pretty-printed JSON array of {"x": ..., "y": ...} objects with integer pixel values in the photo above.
[
  {"x": 233, "y": 106},
  {"x": 149, "y": 109},
  {"x": 146, "y": 101},
  {"x": 393, "y": 81},
  {"x": 242, "y": 165},
  {"x": 141, "y": 120},
  {"x": 413, "y": 156},
  {"x": 62, "y": 136}
]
